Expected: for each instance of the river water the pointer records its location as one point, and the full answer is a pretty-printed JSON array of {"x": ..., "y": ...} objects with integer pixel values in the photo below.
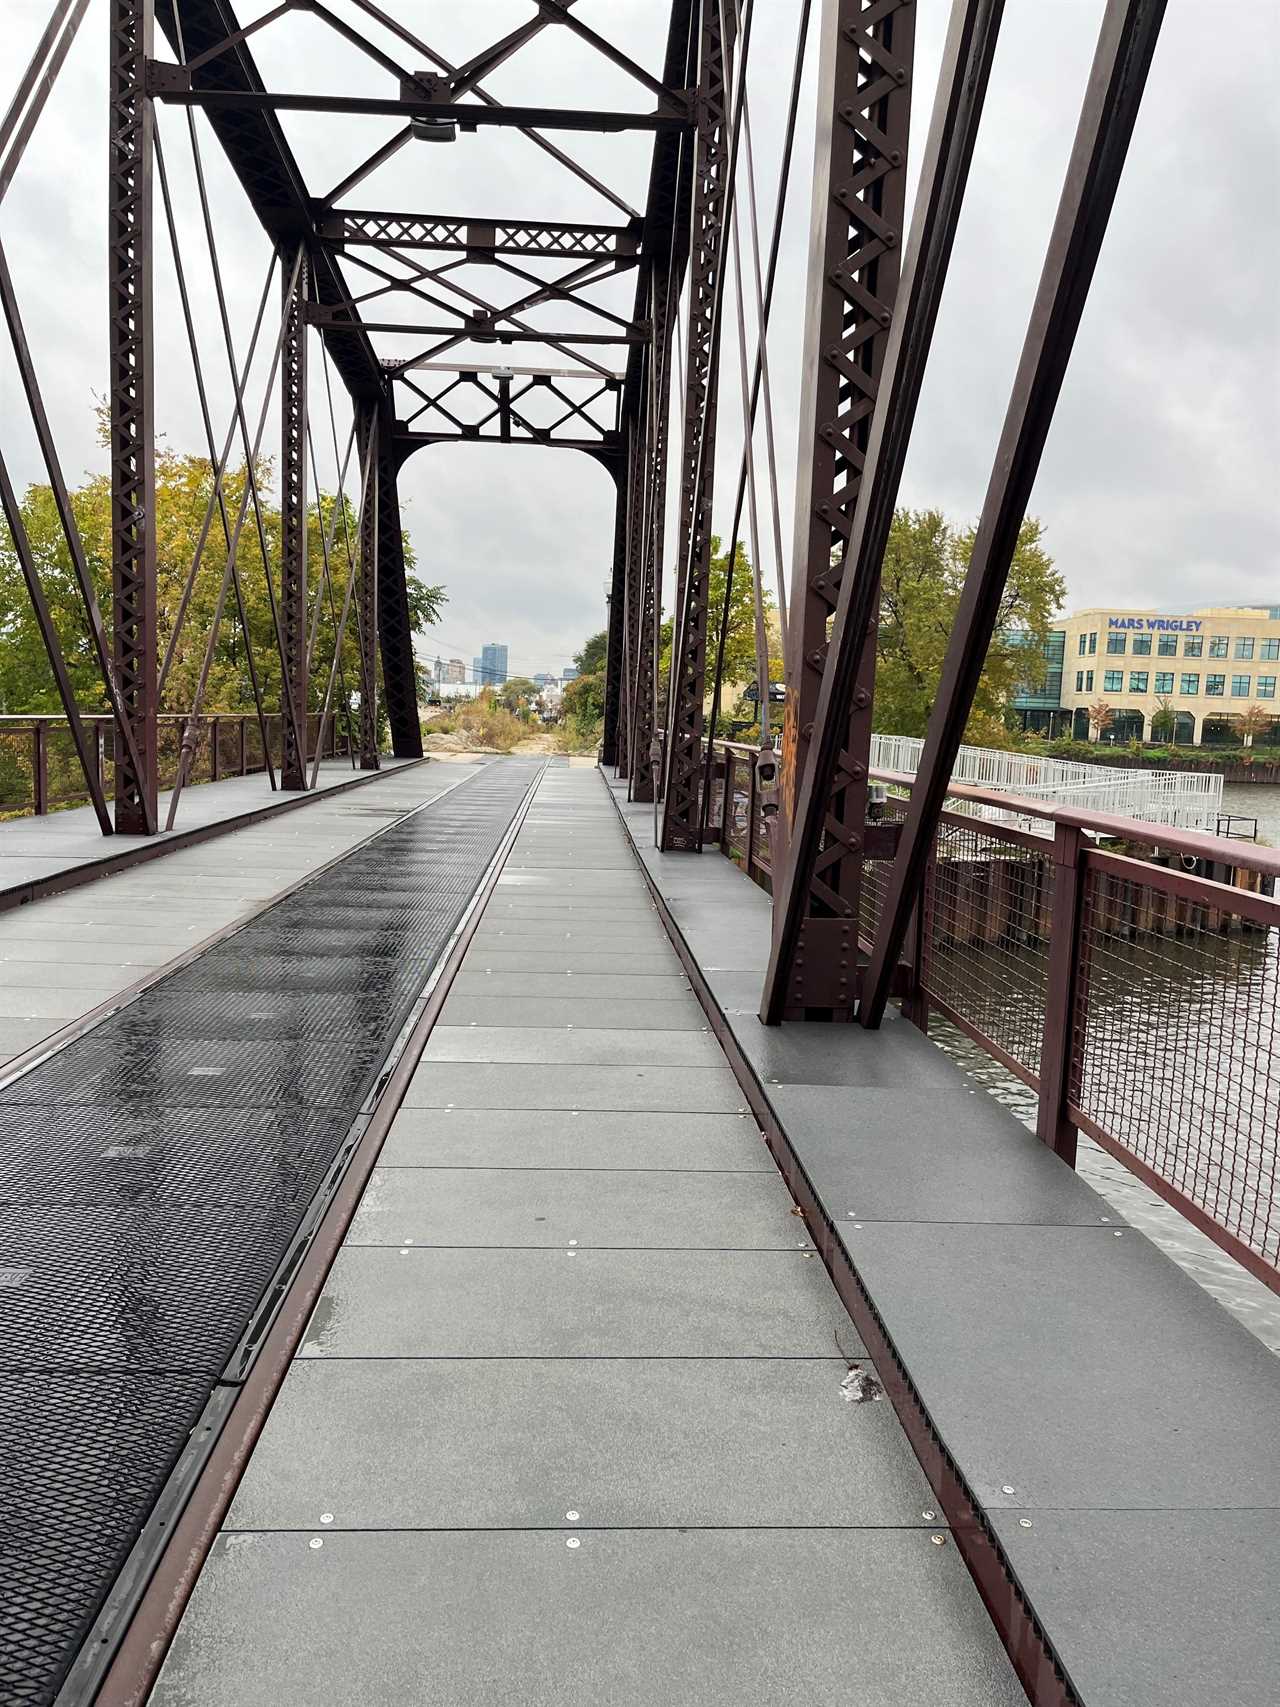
[{"x": 1246, "y": 1298}]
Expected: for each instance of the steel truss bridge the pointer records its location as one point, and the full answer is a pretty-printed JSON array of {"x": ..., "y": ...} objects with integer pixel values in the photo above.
[{"x": 994, "y": 1541}]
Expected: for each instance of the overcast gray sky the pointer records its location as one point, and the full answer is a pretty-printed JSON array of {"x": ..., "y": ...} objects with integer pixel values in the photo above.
[{"x": 1159, "y": 484}]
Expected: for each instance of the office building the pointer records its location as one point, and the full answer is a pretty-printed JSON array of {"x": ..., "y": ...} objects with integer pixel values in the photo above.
[{"x": 1189, "y": 679}]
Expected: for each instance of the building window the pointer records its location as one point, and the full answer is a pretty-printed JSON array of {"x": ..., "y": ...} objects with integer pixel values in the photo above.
[
  {"x": 1079, "y": 681},
  {"x": 1244, "y": 646},
  {"x": 1142, "y": 645},
  {"x": 1137, "y": 681},
  {"x": 1093, "y": 644},
  {"x": 1266, "y": 687},
  {"x": 1115, "y": 642},
  {"x": 1190, "y": 683},
  {"x": 1084, "y": 641},
  {"x": 1113, "y": 681},
  {"x": 1167, "y": 646},
  {"x": 1217, "y": 645},
  {"x": 1164, "y": 681},
  {"x": 1270, "y": 649},
  {"x": 1215, "y": 685},
  {"x": 1240, "y": 687},
  {"x": 1088, "y": 681},
  {"x": 1193, "y": 646}
]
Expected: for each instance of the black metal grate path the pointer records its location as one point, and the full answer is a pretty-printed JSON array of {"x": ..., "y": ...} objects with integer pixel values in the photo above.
[{"x": 152, "y": 1177}]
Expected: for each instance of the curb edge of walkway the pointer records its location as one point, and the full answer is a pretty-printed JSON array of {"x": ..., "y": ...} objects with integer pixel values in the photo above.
[
  {"x": 1020, "y": 1632},
  {"x": 144, "y": 1643}
]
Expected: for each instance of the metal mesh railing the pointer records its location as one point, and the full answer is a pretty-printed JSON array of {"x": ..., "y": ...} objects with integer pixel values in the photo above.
[
  {"x": 1176, "y": 1051},
  {"x": 986, "y": 923}
]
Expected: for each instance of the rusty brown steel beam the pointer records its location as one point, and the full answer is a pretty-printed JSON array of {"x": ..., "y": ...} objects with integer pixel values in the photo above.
[
  {"x": 816, "y": 913},
  {"x": 1126, "y": 44}
]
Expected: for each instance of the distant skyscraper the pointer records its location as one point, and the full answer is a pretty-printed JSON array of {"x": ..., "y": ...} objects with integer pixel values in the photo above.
[
  {"x": 455, "y": 671},
  {"x": 492, "y": 665}
]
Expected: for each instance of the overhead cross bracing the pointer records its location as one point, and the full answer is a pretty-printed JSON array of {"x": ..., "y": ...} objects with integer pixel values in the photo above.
[{"x": 411, "y": 300}]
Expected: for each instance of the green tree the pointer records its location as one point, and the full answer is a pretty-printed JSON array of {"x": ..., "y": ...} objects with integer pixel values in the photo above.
[
  {"x": 591, "y": 659},
  {"x": 183, "y": 487},
  {"x": 740, "y": 667},
  {"x": 517, "y": 695},
  {"x": 922, "y": 580}
]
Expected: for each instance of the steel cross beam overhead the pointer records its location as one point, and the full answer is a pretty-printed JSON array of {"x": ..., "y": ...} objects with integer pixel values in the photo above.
[{"x": 352, "y": 277}]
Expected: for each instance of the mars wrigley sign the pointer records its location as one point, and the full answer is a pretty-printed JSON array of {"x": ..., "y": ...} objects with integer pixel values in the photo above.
[{"x": 1163, "y": 624}]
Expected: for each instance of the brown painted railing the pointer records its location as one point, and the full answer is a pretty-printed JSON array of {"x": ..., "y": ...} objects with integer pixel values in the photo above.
[
  {"x": 1137, "y": 992},
  {"x": 736, "y": 820},
  {"x": 40, "y": 772}
]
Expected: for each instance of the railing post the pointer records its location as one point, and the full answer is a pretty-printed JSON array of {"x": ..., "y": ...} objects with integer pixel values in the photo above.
[
  {"x": 1052, "y": 1125},
  {"x": 751, "y": 817},
  {"x": 244, "y": 750},
  {"x": 99, "y": 752},
  {"x": 213, "y": 748},
  {"x": 40, "y": 766}
]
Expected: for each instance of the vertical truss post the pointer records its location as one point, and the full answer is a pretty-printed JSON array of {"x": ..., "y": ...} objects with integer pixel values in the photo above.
[
  {"x": 681, "y": 826},
  {"x": 864, "y": 99},
  {"x": 654, "y": 478},
  {"x": 293, "y": 529},
  {"x": 635, "y": 559},
  {"x": 131, "y": 414},
  {"x": 1126, "y": 42},
  {"x": 613, "y": 694},
  {"x": 395, "y": 623},
  {"x": 367, "y": 593}
]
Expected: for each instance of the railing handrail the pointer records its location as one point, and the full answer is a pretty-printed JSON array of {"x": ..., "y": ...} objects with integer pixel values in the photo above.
[{"x": 1197, "y": 843}]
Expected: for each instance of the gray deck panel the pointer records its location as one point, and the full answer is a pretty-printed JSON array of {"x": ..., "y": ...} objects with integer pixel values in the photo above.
[
  {"x": 679, "y": 1012},
  {"x": 493, "y": 1620},
  {"x": 544, "y": 1138},
  {"x": 1157, "y": 1607},
  {"x": 612, "y": 1208},
  {"x": 550, "y": 961},
  {"x": 575, "y": 1046},
  {"x": 1176, "y": 1400},
  {"x": 702, "y": 1090},
  {"x": 379, "y": 1302},
  {"x": 629, "y": 1442},
  {"x": 935, "y": 1155},
  {"x": 578, "y": 986}
]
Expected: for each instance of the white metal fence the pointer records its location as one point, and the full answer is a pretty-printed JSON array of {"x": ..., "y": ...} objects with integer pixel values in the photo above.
[{"x": 1184, "y": 800}]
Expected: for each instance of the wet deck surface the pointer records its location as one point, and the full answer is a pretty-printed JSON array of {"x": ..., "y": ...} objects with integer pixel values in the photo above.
[
  {"x": 156, "y": 1170},
  {"x": 570, "y": 1421}
]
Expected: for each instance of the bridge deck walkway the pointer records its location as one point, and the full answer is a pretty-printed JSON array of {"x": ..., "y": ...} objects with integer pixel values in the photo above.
[{"x": 579, "y": 1416}]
